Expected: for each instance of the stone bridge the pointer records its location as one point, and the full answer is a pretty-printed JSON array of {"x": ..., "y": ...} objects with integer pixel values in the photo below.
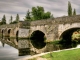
[{"x": 50, "y": 29}]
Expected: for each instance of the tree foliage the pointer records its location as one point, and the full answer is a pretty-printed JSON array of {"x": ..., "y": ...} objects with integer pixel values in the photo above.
[
  {"x": 17, "y": 18},
  {"x": 74, "y": 12},
  {"x": 37, "y": 13},
  {"x": 28, "y": 17},
  {"x": 47, "y": 15},
  {"x": 69, "y": 9},
  {"x": 11, "y": 18},
  {"x": 3, "y": 20}
]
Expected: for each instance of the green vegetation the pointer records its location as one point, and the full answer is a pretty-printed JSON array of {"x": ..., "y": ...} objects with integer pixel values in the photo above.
[
  {"x": 74, "y": 12},
  {"x": 63, "y": 55},
  {"x": 37, "y": 13},
  {"x": 70, "y": 10},
  {"x": 16, "y": 20},
  {"x": 11, "y": 18},
  {"x": 3, "y": 20},
  {"x": 28, "y": 16}
]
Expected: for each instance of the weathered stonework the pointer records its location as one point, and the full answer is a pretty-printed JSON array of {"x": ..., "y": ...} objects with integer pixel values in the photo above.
[
  {"x": 52, "y": 28},
  {"x": 23, "y": 33}
]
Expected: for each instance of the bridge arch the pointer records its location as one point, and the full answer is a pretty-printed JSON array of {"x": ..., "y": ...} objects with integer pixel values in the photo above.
[
  {"x": 66, "y": 36},
  {"x": 9, "y": 31},
  {"x": 38, "y": 39},
  {"x": 68, "y": 33}
]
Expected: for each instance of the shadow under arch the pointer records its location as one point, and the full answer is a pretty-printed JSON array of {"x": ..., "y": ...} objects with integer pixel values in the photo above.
[
  {"x": 17, "y": 35},
  {"x": 37, "y": 39},
  {"x": 9, "y": 32},
  {"x": 66, "y": 37},
  {"x": 2, "y": 32}
]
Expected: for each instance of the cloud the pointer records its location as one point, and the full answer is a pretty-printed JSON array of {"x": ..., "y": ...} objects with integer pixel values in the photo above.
[{"x": 56, "y": 7}]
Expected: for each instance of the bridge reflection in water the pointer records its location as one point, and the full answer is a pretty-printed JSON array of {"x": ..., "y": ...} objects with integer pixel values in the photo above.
[
  {"x": 9, "y": 53},
  {"x": 21, "y": 45},
  {"x": 28, "y": 47}
]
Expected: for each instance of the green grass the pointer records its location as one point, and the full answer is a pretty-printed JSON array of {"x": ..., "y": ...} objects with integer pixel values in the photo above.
[{"x": 64, "y": 55}]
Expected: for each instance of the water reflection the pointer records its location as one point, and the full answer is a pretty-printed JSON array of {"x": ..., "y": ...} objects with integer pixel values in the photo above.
[{"x": 8, "y": 53}]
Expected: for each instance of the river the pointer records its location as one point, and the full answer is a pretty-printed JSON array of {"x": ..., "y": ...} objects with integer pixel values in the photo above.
[{"x": 9, "y": 53}]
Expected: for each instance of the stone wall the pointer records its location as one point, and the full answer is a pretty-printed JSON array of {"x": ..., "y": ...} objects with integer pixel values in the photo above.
[
  {"x": 53, "y": 28},
  {"x": 23, "y": 33}
]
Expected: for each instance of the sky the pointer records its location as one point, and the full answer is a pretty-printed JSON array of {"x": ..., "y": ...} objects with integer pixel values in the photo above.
[{"x": 57, "y": 7}]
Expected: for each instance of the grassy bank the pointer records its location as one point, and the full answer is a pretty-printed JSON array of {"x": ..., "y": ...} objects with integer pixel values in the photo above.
[{"x": 64, "y": 55}]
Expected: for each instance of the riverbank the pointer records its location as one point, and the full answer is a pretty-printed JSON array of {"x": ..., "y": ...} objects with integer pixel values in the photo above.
[{"x": 34, "y": 56}]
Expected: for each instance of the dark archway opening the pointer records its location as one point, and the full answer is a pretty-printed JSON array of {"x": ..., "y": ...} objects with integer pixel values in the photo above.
[
  {"x": 66, "y": 38},
  {"x": 17, "y": 35},
  {"x": 37, "y": 39},
  {"x": 9, "y": 32},
  {"x": 2, "y": 33}
]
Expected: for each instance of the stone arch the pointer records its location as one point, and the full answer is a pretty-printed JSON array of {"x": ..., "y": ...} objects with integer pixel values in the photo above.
[
  {"x": 66, "y": 37},
  {"x": 38, "y": 39},
  {"x": 67, "y": 33}
]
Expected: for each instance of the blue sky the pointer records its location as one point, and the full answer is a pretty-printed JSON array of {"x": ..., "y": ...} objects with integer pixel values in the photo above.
[{"x": 57, "y": 7}]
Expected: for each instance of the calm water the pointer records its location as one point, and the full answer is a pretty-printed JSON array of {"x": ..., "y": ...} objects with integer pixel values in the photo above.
[{"x": 9, "y": 53}]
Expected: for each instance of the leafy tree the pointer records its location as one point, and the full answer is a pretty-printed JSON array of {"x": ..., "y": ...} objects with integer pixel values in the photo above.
[
  {"x": 28, "y": 17},
  {"x": 35, "y": 13},
  {"x": 11, "y": 18},
  {"x": 69, "y": 9},
  {"x": 17, "y": 18},
  {"x": 47, "y": 15},
  {"x": 74, "y": 12},
  {"x": 4, "y": 19},
  {"x": 38, "y": 13}
]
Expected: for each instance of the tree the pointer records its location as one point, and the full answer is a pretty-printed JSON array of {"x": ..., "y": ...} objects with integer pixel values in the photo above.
[
  {"x": 38, "y": 13},
  {"x": 35, "y": 13},
  {"x": 28, "y": 17},
  {"x": 69, "y": 9},
  {"x": 74, "y": 12},
  {"x": 4, "y": 19},
  {"x": 47, "y": 15},
  {"x": 11, "y": 18},
  {"x": 17, "y": 18}
]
